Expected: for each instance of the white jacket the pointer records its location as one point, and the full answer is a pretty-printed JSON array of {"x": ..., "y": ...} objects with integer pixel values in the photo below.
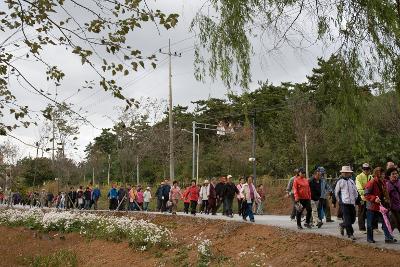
[
  {"x": 205, "y": 192},
  {"x": 346, "y": 191},
  {"x": 247, "y": 194},
  {"x": 146, "y": 196}
]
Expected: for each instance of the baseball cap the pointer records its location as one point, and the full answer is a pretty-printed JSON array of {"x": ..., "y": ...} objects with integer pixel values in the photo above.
[
  {"x": 366, "y": 166},
  {"x": 229, "y": 176},
  {"x": 321, "y": 169}
]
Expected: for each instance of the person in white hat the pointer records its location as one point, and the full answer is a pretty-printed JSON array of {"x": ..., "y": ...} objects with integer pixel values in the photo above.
[
  {"x": 204, "y": 194},
  {"x": 146, "y": 197},
  {"x": 361, "y": 181},
  {"x": 346, "y": 193}
]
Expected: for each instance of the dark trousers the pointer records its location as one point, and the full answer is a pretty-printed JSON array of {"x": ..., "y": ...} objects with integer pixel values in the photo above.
[
  {"x": 328, "y": 210},
  {"x": 395, "y": 219},
  {"x": 372, "y": 217},
  {"x": 113, "y": 204},
  {"x": 220, "y": 201},
  {"x": 164, "y": 207},
  {"x": 349, "y": 217},
  {"x": 362, "y": 216},
  {"x": 193, "y": 205},
  {"x": 159, "y": 204},
  {"x": 228, "y": 206},
  {"x": 240, "y": 208},
  {"x": 293, "y": 214},
  {"x": 212, "y": 205},
  {"x": 204, "y": 206},
  {"x": 186, "y": 207},
  {"x": 306, "y": 203}
]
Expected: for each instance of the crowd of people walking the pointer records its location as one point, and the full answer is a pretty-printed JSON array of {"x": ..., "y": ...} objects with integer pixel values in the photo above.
[{"x": 376, "y": 196}]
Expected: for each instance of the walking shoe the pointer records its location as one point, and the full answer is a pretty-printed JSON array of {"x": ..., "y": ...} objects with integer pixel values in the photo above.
[
  {"x": 307, "y": 225},
  {"x": 319, "y": 224},
  {"x": 230, "y": 216},
  {"x": 352, "y": 237},
  {"x": 391, "y": 241},
  {"x": 253, "y": 220},
  {"x": 341, "y": 229},
  {"x": 370, "y": 241},
  {"x": 300, "y": 227},
  {"x": 244, "y": 219},
  {"x": 330, "y": 221}
]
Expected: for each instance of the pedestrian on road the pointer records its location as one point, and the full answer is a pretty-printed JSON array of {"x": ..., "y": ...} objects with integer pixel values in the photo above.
[
  {"x": 346, "y": 193},
  {"x": 121, "y": 198},
  {"x": 132, "y": 199},
  {"x": 146, "y": 198},
  {"x": 193, "y": 195},
  {"x": 87, "y": 196},
  {"x": 165, "y": 195},
  {"x": 376, "y": 195},
  {"x": 204, "y": 194},
  {"x": 140, "y": 197},
  {"x": 250, "y": 196},
  {"x": 240, "y": 196},
  {"x": 79, "y": 196},
  {"x": 212, "y": 198},
  {"x": 302, "y": 197},
  {"x": 229, "y": 192},
  {"x": 219, "y": 189},
  {"x": 113, "y": 197},
  {"x": 393, "y": 188},
  {"x": 261, "y": 201},
  {"x": 289, "y": 193},
  {"x": 175, "y": 195},
  {"x": 361, "y": 181},
  {"x": 159, "y": 196},
  {"x": 96, "y": 194},
  {"x": 319, "y": 189}
]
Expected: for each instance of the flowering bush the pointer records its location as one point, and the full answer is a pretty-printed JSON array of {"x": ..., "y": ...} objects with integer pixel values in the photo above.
[
  {"x": 204, "y": 252},
  {"x": 140, "y": 233}
]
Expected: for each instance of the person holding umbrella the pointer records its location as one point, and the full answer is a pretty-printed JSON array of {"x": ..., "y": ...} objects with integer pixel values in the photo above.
[{"x": 377, "y": 196}]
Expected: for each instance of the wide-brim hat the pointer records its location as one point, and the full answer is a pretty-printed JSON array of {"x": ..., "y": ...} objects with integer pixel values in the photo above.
[
  {"x": 229, "y": 176},
  {"x": 206, "y": 181},
  {"x": 346, "y": 169}
]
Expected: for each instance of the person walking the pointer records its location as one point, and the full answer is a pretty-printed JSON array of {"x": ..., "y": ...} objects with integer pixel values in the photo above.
[
  {"x": 212, "y": 198},
  {"x": 159, "y": 196},
  {"x": 361, "y": 181},
  {"x": 302, "y": 197},
  {"x": 319, "y": 190},
  {"x": 147, "y": 199},
  {"x": 250, "y": 196},
  {"x": 87, "y": 197},
  {"x": 96, "y": 194},
  {"x": 219, "y": 189},
  {"x": 113, "y": 197},
  {"x": 186, "y": 200},
  {"x": 174, "y": 196},
  {"x": 240, "y": 196},
  {"x": 79, "y": 198},
  {"x": 71, "y": 203},
  {"x": 121, "y": 198},
  {"x": 393, "y": 189},
  {"x": 165, "y": 195},
  {"x": 132, "y": 194},
  {"x": 261, "y": 201},
  {"x": 229, "y": 192},
  {"x": 289, "y": 193},
  {"x": 193, "y": 195},
  {"x": 376, "y": 195},
  {"x": 140, "y": 197},
  {"x": 204, "y": 194},
  {"x": 346, "y": 193}
]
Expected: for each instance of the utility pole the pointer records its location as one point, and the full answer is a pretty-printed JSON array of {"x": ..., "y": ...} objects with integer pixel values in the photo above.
[
  {"x": 37, "y": 154},
  {"x": 137, "y": 170},
  {"x": 194, "y": 147},
  {"x": 198, "y": 151},
  {"x": 253, "y": 149},
  {"x": 171, "y": 121},
  {"x": 109, "y": 167},
  {"x": 93, "y": 176}
]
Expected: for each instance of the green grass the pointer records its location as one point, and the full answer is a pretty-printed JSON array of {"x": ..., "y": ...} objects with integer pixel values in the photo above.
[{"x": 64, "y": 258}]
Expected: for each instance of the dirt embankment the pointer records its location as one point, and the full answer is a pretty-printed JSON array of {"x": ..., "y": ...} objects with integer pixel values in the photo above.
[{"x": 233, "y": 244}]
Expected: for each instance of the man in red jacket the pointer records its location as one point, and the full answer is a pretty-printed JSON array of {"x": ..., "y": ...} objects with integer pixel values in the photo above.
[{"x": 302, "y": 197}]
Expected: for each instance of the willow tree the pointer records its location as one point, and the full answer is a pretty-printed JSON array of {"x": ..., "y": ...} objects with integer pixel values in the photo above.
[
  {"x": 95, "y": 30},
  {"x": 365, "y": 33}
]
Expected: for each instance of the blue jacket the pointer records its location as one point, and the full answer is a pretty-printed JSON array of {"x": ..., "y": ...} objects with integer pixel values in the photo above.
[
  {"x": 113, "y": 193},
  {"x": 96, "y": 194}
]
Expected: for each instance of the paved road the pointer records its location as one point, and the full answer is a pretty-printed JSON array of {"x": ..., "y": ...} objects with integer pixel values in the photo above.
[{"x": 331, "y": 229}]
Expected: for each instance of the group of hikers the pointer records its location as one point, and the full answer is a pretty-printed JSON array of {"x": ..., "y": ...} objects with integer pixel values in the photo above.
[
  {"x": 375, "y": 193},
  {"x": 206, "y": 198}
]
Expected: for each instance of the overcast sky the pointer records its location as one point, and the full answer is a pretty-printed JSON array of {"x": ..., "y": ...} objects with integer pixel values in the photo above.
[{"x": 100, "y": 107}]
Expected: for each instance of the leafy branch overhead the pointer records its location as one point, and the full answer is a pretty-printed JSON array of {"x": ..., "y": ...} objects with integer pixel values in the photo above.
[
  {"x": 365, "y": 33},
  {"x": 95, "y": 30}
]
